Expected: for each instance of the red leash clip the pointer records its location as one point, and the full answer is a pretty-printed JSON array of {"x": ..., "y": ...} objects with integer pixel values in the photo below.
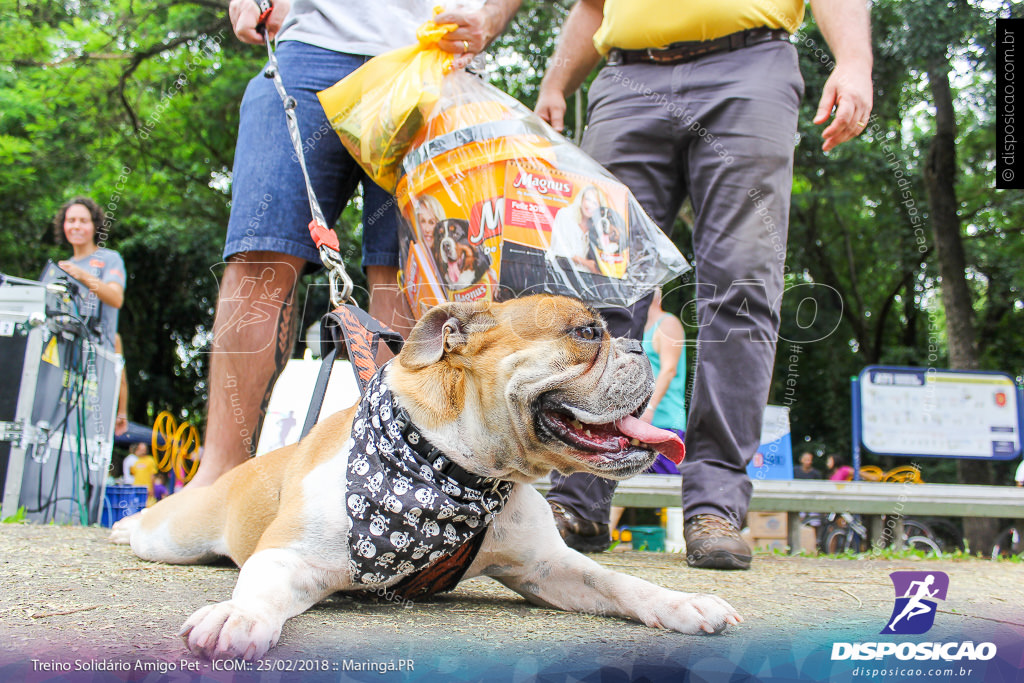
[
  {"x": 266, "y": 7},
  {"x": 323, "y": 236}
]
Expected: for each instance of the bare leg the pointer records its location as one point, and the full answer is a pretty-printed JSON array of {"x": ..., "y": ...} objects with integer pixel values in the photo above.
[
  {"x": 253, "y": 337},
  {"x": 387, "y": 303},
  {"x": 254, "y": 334}
]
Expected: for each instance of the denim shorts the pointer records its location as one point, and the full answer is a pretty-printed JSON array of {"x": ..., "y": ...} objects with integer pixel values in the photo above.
[{"x": 269, "y": 205}]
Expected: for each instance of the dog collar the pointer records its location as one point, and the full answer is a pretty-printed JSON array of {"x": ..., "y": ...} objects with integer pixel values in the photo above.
[{"x": 435, "y": 458}]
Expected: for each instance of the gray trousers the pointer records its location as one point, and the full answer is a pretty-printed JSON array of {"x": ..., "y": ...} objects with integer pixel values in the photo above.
[{"x": 722, "y": 130}]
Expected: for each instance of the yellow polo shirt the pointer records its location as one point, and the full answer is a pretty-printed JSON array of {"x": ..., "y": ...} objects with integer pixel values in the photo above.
[{"x": 640, "y": 24}]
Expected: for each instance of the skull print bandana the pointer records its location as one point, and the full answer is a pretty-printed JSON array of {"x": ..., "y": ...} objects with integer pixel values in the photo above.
[{"x": 408, "y": 504}]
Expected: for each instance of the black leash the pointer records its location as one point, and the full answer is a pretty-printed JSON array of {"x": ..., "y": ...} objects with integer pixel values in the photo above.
[{"x": 357, "y": 335}]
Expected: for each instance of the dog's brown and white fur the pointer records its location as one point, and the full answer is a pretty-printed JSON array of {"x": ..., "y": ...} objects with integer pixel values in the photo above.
[{"x": 505, "y": 390}]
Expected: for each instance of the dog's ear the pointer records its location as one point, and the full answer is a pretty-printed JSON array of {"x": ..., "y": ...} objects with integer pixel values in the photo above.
[{"x": 443, "y": 329}]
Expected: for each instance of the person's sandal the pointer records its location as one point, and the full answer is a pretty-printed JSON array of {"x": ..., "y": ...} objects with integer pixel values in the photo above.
[
  {"x": 712, "y": 542},
  {"x": 578, "y": 533}
]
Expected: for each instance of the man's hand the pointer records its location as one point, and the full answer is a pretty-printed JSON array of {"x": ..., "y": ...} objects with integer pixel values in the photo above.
[
  {"x": 847, "y": 29},
  {"x": 245, "y": 13},
  {"x": 574, "y": 58},
  {"x": 551, "y": 107},
  {"x": 475, "y": 30},
  {"x": 471, "y": 36},
  {"x": 849, "y": 92}
]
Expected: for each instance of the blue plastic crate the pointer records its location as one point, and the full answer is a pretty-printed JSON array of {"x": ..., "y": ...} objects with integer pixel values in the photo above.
[
  {"x": 650, "y": 538},
  {"x": 120, "y": 501}
]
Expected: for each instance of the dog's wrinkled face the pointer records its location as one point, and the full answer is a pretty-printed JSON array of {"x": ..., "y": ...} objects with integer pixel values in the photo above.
[{"x": 530, "y": 385}]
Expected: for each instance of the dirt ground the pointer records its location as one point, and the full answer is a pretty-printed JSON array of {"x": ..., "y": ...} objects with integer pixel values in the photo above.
[{"x": 74, "y": 607}]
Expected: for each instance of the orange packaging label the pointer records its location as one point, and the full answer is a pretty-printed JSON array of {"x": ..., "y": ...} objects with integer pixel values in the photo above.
[
  {"x": 581, "y": 218},
  {"x": 460, "y": 211},
  {"x": 421, "y": 286},
  {"x": 456, "y": 223}
]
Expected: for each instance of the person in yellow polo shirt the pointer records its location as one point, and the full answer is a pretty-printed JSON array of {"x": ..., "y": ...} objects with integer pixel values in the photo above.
[
  {"x": 700, "y": 98},
  {"x": 143, "y": 472}
]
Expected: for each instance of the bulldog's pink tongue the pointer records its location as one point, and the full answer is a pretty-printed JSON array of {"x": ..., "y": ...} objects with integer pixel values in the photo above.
[{"x": 667, "y": 443}]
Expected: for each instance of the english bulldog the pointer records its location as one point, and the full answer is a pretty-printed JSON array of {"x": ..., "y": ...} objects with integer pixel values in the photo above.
[{"x": 426, "y": 481}]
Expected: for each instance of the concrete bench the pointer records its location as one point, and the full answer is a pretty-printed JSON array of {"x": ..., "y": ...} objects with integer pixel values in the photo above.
[{"x": 871, "y": 499}]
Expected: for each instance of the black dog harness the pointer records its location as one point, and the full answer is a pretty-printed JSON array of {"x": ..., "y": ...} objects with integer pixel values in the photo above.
[{"x": 414, "y": 513}]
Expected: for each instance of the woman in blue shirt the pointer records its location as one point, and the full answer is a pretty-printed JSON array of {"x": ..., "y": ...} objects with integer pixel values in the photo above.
[
  {"x": 101, "y": 270},
  {"x": 663, "y": 343}
]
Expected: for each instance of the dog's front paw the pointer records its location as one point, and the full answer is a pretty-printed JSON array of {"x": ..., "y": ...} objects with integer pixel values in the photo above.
[
  {"x": 228, "y": 631},
  {"x": 121, "y": 532},
  {"x": 696, "y": 613}
]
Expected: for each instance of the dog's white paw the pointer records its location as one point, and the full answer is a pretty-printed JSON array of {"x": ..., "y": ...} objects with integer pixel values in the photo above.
[
  {"x": 695, "y": 613},
  {"x": 228, "y": 631},
  {"x": 121, "y": 531}
]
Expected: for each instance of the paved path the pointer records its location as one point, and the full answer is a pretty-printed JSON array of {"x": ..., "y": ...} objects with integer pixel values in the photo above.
[{"x": 70, "y": 600}]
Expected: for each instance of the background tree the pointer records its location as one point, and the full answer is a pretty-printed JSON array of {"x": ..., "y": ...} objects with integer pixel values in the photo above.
[{"x": 135, "y": 103}]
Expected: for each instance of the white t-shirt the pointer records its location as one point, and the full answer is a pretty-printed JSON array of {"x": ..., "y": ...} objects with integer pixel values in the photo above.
[
  {"x": 358, "y": 27},
  {"x": 129, "y": 460},
  {"x": 566, "y": 237}
]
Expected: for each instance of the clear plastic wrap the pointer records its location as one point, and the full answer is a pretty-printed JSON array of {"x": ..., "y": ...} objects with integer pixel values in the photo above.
[{"x": 496, "y": 204}]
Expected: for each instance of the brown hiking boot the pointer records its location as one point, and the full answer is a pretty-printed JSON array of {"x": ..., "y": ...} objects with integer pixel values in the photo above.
[
  {"x": 714, "y": 543},
  {"x": 578, "y": 533}
]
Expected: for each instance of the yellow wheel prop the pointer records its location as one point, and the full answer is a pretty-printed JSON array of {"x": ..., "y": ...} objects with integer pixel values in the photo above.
[
  {"x": 175, "y": 446},
  {"x": 871, "y": 473},
  {"x": 186, "y": 447},
  {"x": 904, "y": 474},
  {"x": 163, "y": 436}
]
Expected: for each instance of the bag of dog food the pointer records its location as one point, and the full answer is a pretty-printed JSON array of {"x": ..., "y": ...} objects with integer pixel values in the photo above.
[
  {"x": 496, "y": 204},
  {"x": 380, "y": 107}
]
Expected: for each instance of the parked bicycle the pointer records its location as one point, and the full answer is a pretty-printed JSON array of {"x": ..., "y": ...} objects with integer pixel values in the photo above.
[
  {"x": 1009, "y": 543},
  {"x": 842, "y": 532}
]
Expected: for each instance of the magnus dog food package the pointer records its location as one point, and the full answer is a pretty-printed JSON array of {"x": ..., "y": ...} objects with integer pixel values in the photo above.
[{"x": 495, "y": 203}]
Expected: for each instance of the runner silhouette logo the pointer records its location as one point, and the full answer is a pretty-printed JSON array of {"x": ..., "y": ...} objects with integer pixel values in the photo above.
[{"x": 916, "y": 593}]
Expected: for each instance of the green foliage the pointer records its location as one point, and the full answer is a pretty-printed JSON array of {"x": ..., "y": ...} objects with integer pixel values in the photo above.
[
  {"x": 17, "y": 518},
  {"x": 136, "y": 105},
  {"x": 909, "y": 554},
  {"x": 860, "y": 222}
]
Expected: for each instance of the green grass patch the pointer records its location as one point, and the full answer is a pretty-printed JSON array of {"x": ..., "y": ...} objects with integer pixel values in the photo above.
[
  {"x": 17, "y": 518},
  {"x": 894, "y": 554}
]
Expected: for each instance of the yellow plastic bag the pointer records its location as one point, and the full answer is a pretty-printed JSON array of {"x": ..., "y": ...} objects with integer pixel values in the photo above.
[
  {"x": 379, "y": 108},
  {"x": 496, "y": 204}
]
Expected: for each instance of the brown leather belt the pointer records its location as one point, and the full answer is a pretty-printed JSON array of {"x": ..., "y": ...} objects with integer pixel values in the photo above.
[{"x": 684, "y": 52}]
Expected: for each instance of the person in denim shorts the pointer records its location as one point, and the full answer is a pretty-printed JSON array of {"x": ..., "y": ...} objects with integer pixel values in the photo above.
[{"x": 268, "y": 246}]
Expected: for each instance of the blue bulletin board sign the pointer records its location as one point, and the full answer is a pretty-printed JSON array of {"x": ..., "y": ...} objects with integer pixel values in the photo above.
[
  {"x": 933, "y": 413},
  {"x": 774, "y": 457}
]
